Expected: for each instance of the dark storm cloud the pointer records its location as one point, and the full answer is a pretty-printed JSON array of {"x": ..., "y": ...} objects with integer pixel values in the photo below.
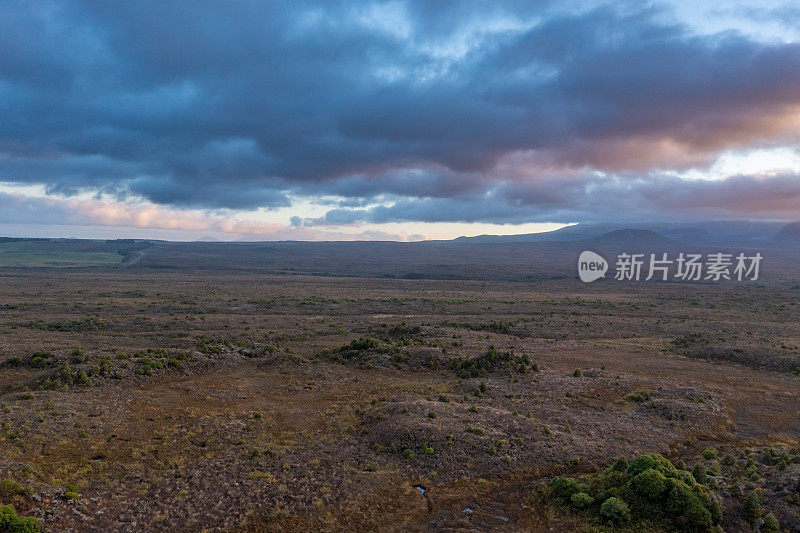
[
  {"x": 443, "y": 106},
  {"x": 591, "y": 199}
]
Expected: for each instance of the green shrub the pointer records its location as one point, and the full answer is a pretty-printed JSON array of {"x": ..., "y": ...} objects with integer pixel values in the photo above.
[
  {"x": 147, "y": 365},
  {"x": 751, "y": 507},
  {"x": 650, "y": 485},
  {"x": 13, "y": 362},
  {"x": 651, "y": 461},
  {"x": 41, "y": 359},
  {"x": 711, "y": 505},
  {"x": 9, "y": 487},
  {"x": 491, "y": 361},
  {"x": 709, "y": 453},
  {"x": 620, "y": 465},
  {"x": 615, "y": 510},
  {"x": 77, "y": 356},
  {"x": 66, "y": 377},
  {"x": 699, "y": 474},
  {"x": 770, "y": 524},
  {"x": 581, "y": 500},
  {"x": 11, "y": 522},
  {"x": 358, "y": 346},
  {"x": 649, "y": 492},
  {"x": 640, "y": 395},
  {"x": 563, "y": 488},
  {"x": 688, "y": 508}
]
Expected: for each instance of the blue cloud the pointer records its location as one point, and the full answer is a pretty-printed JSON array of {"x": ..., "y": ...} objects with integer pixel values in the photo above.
[{"x": 244, "y": 105}]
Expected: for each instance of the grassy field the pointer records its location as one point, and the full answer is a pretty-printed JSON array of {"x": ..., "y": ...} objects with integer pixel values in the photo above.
[
  {"x": 24, "y": 254},
  {"x": 41, "y": 259}
]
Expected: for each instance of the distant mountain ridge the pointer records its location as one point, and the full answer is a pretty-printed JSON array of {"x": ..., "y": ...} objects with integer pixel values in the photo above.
[
  {"x": 629, "y": 237},
  {"x": 789, "y": 234},
  {"x": 720, "y": 233},
  {"x": 711, "y": 233}
]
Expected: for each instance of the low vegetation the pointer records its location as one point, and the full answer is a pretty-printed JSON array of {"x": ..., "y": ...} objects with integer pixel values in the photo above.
[
  {"x": 648, "y": 493},
  {"x": 492, "y": 361},
  {"x": 328, "y": 399},
  {"x": 11, "y": 522}
]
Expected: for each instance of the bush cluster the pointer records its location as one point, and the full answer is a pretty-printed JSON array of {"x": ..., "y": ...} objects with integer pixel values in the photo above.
[
  {"x": 155, "y": 359},
  {"x": 354, "y": 350},
  {"x": 492, "y": 360},
  {"x": 11, "y": 521},
  {"x": 649, "y": 490},
  {"x": 66, "y": 377},
  {"x": 9, "y": 487}
]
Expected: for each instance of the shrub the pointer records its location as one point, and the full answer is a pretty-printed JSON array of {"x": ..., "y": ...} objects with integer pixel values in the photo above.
[
  {"x": 65, "y": 377},
  {"x": 686, "y": 477},
  {"x": 652, "y": 461},
  {"x": 563, "y": 488},
  {"x": 640, "y": 395},
  {"x": 581, "y": 500},
  {"x": 619, "y": 466},
  {"x": 491, "y": 361},
  {"x": 358, "y": 346},
  {"x": 9, "y": 487},
  {"x": 147, "y": 365},
  {"x": 265, "y": 476},
  {"x": 751, "y": 507},
  {"x": 687, "y": 507},
  {"x": 650, "y": 485},
  {"x": 11, "y": 522},
  {"x": 770, "y": 524},
  {"x": 709, "y": 453},
  {"x": 77, "y": 356},
  {"x": 650, "y": 493},
  {"x": 712, "y": 506},
  {"x": 700, "y": 475},
  {"x": 41, "y": 359},
  {"x": 13, "y": 362},
  {"x": 615, "y": 510}
]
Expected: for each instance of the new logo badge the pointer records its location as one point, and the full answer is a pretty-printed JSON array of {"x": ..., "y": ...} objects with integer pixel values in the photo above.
[{"x": 591, "y": 266}]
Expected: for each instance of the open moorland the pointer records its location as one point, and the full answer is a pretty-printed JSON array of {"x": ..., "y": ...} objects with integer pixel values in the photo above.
[{"x": 144, "y": 396}]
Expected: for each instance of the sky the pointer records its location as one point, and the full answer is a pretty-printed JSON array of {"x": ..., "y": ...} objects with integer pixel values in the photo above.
[{"x": 399, "y": 120}]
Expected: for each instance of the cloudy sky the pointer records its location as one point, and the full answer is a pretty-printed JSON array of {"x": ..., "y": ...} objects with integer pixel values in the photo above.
[{"x": 240, "y": 120}]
